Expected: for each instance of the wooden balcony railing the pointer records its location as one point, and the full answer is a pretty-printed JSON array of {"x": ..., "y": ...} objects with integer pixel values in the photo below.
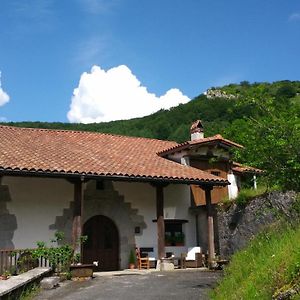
[{"x": 19, "y": 260}]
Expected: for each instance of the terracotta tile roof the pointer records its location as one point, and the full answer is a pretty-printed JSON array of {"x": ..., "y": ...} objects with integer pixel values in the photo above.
[
  {"x": 205, "y": 141},
  {"x": 43, "y": 151},
  {"x": 237, "y": 167}
]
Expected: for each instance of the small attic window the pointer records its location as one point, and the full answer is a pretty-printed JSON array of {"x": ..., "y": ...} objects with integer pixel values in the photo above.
[{"x": 216, "y": 173}]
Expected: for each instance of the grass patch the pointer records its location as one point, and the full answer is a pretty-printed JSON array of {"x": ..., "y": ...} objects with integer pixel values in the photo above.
[
  {"x": 244, "y": 197},
  {"x": 30, "y": 292},
  {"x": 271, "y": 260}
]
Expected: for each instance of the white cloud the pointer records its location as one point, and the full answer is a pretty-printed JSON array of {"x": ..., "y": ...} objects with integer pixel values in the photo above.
[
  {"x": 116, "y": 94},
  {"x": 4, "y": 97},
  {"x": 294, "y": 17}
]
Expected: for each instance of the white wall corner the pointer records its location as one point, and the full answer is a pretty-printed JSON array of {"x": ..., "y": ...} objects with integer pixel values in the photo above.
[
  {"x": 185, "y": 160},
  {"x": 233, "y": 187}
]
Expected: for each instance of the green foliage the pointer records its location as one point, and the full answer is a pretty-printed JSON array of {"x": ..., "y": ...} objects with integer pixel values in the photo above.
[
  {"x": 271, "y": 137},
  {"x": 271, "y": 260},
  {"x": 132, "y": 257},
  {"x": 29, "y": 292},
  {"x": 60, "y": 256},
  {"x": 82, "y": 239},
  {"x": 246, "y": 195}
]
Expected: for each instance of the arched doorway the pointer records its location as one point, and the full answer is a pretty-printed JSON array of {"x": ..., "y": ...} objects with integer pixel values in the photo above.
[{"x": 102, "y": 244}]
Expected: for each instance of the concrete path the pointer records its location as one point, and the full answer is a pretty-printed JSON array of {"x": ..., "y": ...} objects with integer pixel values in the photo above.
[{"x": 179, "y": 284}]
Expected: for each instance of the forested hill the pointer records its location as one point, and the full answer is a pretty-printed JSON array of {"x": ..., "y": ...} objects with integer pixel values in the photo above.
[
  {"x": 217, "y": 113},
  {"x": 264, "y": 117}
]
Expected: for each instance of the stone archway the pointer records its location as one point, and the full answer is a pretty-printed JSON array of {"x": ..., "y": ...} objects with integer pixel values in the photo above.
[{"x": 103, "y": 199}]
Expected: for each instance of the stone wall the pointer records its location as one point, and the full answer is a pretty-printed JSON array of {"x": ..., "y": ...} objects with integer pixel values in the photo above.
[
  {"x": 240, "y": 223},
  {"x": 8, "y": 222}
]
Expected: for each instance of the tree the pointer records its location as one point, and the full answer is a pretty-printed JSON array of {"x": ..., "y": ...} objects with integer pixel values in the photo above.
[{"x": 272, "y": 140}]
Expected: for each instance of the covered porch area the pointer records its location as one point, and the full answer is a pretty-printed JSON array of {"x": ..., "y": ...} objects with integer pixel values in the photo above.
[{"x": 115, "y": 214}]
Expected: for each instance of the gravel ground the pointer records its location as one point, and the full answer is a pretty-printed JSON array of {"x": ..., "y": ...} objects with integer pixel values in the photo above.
[{"x": 179, "y": 284}]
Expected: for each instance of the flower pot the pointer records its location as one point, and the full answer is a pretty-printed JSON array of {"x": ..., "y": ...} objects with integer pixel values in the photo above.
[
  {"x": 83, "y": 270},
  {"x": 131, "y": 266}
]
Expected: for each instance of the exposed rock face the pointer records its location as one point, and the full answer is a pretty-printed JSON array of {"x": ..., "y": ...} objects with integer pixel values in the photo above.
[
  {"x": 240, "y": 223},
  {"x": 216, "y": 93}
]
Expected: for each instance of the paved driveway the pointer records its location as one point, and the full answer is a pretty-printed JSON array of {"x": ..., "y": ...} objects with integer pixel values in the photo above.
[{"x": 179, "y": 284}]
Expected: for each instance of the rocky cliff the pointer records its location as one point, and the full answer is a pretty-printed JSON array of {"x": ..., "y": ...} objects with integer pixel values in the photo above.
[{"x": 239, "y": 223}]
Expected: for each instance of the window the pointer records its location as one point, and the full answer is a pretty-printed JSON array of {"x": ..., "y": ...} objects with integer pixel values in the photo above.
[
  {"x": 216, "y": 173},
  {"x": 174, "y": 235}
]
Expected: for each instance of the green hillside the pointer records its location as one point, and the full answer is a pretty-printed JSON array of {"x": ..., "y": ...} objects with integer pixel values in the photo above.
[
  {"x": 170, "y": 124},
  {"x": 264, "y": 117}
]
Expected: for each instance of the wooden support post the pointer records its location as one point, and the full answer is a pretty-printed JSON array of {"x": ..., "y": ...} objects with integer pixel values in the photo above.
[
  {"x": 210, "y": 226},
  {"x": 197, "y": 229},
  {"x": 160, "y": 221},
  {"x": 77, "y": 214}
]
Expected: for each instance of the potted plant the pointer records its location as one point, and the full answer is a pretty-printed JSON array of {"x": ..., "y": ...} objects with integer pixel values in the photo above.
[
  {"x": 132, "y": 259},
  {"x": 5, "y": 275},
  {"x": 168, "y": 239},
  {"x": 179, "y": 238}
]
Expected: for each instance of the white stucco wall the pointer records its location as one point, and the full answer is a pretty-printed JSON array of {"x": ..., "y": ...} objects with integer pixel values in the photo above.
[
  {"x": 233, "y": 186},
  {"x": 142, "y": 196},
  {"x": 36, "y": 202}
]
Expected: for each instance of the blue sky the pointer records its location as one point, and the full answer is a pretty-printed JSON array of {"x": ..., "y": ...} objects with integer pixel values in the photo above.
[{"x": 168, "y": 50}]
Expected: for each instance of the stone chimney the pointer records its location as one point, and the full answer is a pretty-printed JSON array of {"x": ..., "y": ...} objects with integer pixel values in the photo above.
[{"x": 197, "y": 131}]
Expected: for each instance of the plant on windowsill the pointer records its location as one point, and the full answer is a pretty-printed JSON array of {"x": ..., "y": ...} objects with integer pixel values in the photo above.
[
  {"x": 168, "y": 239},
  {"x": 132, "y": 259},
  {"x": 179, "y": 239},
  {"x": 175, "y": 239}
]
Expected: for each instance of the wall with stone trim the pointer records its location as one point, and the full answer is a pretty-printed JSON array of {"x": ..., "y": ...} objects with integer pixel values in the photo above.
[
  {"x": 176, "y": 206},
  {"x": 8, "y": 221},
  {"x": 40, "y": 206},
  {"x": 35, "y": 202}
]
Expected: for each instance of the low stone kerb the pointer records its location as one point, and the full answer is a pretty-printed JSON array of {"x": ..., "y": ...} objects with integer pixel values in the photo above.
[{"x": 15, "y": 282}]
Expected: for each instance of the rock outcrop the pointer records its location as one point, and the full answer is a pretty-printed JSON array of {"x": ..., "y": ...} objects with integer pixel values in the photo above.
[
  {"x": 239, "y": 223},
  {"x": 217, "y": 93}
]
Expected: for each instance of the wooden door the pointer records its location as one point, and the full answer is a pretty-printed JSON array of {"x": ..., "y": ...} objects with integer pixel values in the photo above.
[{"x": 102, "y": 244}]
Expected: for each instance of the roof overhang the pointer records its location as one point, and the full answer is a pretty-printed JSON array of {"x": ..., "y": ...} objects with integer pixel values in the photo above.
[
  {"x": 217, "y": 140},
  {"x": 113, "y": 177},
  {"x": 242, "y": 169}
]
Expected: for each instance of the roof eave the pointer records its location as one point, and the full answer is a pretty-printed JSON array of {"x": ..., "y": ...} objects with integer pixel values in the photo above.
[
  {"x": 248, "y": 171},
  {"x": 188, "y": 145},
  {"x": 84, "y": 176}
]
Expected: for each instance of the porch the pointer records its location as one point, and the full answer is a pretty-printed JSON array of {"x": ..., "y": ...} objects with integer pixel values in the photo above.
[{"x": 116, "y": 215}]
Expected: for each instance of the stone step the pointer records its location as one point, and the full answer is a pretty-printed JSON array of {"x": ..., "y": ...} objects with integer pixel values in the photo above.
[{"x": 49, "y": 283}]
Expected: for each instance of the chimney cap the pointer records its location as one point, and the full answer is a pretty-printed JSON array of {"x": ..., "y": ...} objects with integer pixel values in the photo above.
[{"x": 197, "y": 127}]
